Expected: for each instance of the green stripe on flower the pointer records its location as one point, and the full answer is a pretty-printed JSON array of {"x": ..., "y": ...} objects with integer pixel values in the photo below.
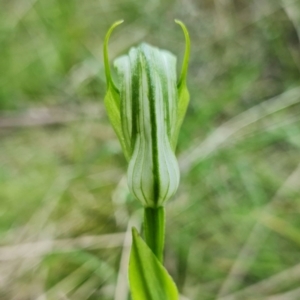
[{"x": 149, "y": 102}]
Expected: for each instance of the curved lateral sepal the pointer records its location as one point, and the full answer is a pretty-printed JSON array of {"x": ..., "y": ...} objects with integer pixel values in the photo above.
[
  {"x": 147, "y": 276},
  {"x": 112, "y": 97},
  {"x": 105, "y": 54},
  {"x": 183, "y": 93},
  {"x": 187, "y": 51}
]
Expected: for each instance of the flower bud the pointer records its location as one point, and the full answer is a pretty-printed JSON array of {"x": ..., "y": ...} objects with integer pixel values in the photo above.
[{"x": 147, "y": 112}]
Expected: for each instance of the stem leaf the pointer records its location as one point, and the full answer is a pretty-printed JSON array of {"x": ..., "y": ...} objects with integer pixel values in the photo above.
[{"x": 148, "y": 278}]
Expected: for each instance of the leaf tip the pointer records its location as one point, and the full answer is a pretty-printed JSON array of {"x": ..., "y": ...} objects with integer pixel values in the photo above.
[
  {"x": 118, "y": 23},
  {"x": 105, "y": 53},
  {"x": 187, "y": 51}
]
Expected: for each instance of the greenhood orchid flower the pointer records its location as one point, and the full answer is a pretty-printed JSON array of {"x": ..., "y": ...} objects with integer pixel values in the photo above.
[{"x": 146, "y": 112}]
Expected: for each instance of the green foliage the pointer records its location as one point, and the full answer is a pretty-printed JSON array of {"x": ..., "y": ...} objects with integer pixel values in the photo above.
[{"x": 149, "y": 280}]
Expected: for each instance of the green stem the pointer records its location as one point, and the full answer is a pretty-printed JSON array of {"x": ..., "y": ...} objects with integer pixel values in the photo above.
[{"x": 154, "y": 227}]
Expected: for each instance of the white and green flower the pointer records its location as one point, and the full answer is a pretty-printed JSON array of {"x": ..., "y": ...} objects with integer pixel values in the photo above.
[{"x": 146, "y": 113}]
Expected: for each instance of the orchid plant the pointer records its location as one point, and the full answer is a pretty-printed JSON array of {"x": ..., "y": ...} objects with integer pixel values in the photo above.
[{"x": 146, "y": 112}]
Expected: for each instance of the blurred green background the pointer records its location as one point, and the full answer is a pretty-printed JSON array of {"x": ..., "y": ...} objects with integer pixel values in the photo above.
[{"x": 233, "y": 228}]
